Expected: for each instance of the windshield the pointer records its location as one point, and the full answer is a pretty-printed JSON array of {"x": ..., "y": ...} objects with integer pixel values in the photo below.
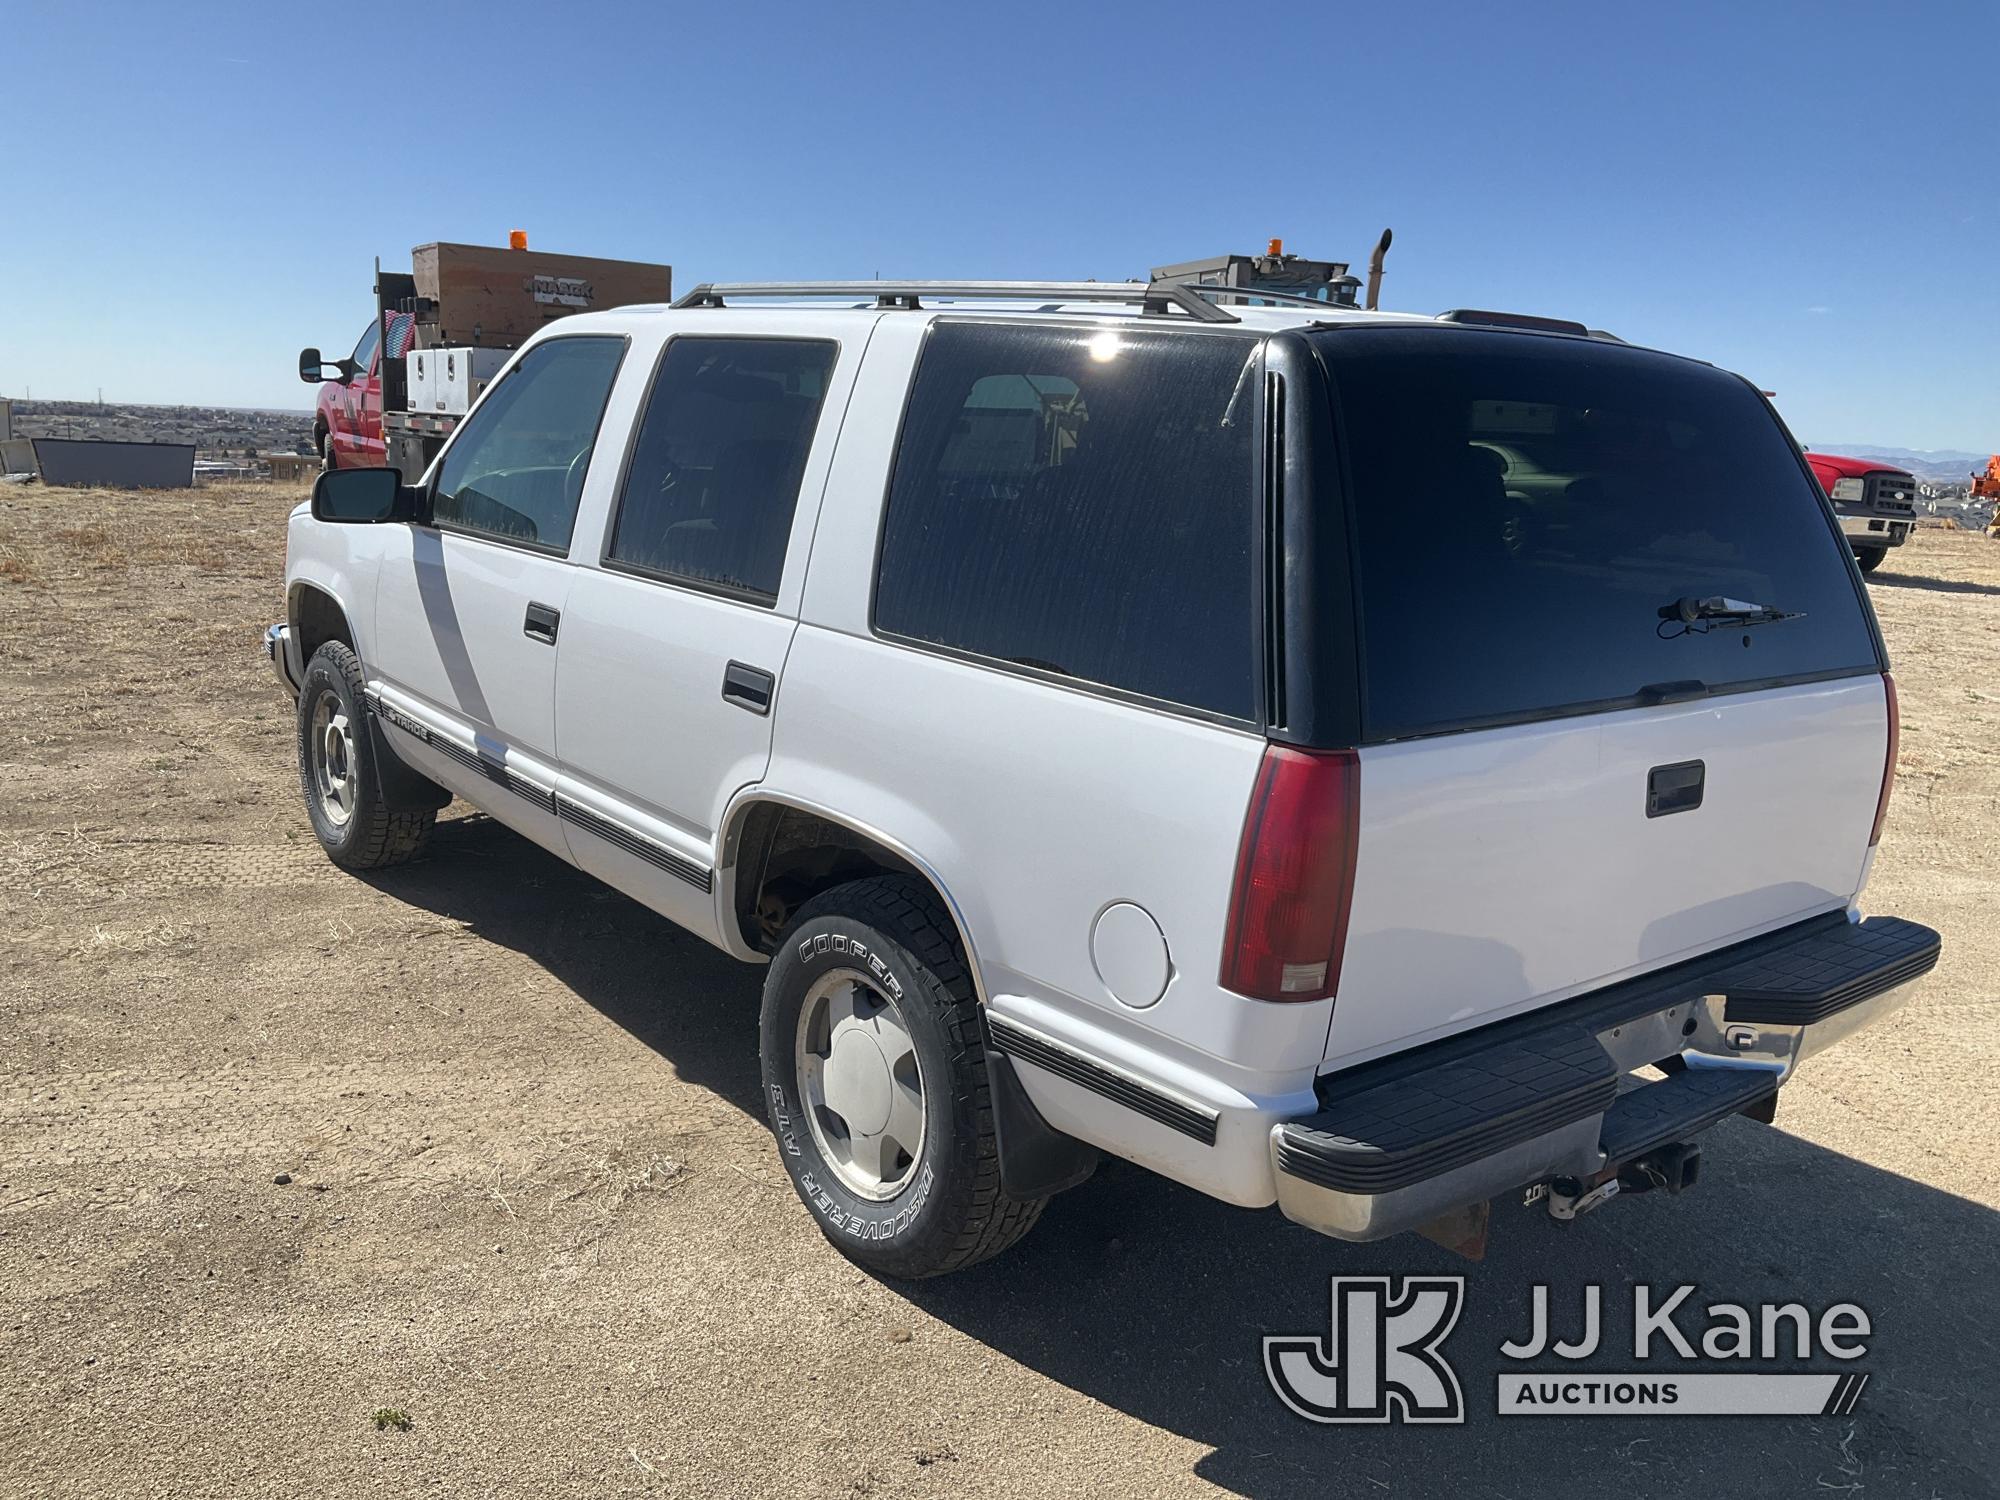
[
  {"x": 1526, "y": 508},
  {"x": 1319, "y": 291}
]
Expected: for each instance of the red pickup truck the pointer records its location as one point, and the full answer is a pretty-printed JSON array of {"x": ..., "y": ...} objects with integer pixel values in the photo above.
[
  {"x": 347, "y": 416},
  {"x": 376, "y": 408},
  {"x": 1876, "y": 504}
]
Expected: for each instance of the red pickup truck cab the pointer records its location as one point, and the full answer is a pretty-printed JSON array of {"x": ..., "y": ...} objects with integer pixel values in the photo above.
[
  {"x": 347, "y": 415},
  {"x": 1876, "y": 504}
]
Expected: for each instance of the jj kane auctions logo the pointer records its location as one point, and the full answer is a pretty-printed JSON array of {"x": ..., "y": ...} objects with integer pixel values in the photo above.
[{"x": 1382, "y": 1359}]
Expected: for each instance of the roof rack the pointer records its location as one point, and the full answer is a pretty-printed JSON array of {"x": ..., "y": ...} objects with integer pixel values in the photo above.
[{"x": 1158, "y": 297}]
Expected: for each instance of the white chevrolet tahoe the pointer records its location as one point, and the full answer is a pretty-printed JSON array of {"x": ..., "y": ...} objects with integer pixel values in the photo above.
[{"x": 1361, "y": 762}]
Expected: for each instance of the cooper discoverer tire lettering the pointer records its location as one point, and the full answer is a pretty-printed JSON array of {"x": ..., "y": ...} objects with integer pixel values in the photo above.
[{"x": 875, "y": 1079}]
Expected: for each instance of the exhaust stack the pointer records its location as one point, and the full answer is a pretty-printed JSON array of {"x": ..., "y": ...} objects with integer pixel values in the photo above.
[{"x": 1375, "y": 268}]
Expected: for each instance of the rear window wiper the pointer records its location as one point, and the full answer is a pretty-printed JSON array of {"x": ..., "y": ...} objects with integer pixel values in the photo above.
[{"x": 1689, "y": 615}]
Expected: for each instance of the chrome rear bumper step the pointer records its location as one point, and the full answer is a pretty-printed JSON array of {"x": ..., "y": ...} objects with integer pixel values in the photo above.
[
  {"x": 1399, "y": 1142},
  {"x": 1676, "y": 1108},
  {"x": 1808, "y": 982},
  {"x": 1421, "y": 1126}
]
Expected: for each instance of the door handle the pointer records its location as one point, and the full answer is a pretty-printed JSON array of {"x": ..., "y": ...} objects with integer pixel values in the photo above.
[
  {"x": 540, "y": 624},
  {"x": 1675, "y": 788},
  {"x": 748, "y": 687}
]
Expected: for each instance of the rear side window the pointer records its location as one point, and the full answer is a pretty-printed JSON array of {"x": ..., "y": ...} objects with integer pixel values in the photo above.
[
  {"x": 1525, "y": 508},
  {"x": 1081, "y": 501},
  {"x": 715, "y": 471},
  {"x": 515, "y": 469}
]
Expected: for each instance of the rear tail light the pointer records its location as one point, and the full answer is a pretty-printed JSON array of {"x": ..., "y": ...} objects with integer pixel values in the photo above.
[
  {"x": 1294, "y": 876},
  {"x": 1888, "y": 760}
]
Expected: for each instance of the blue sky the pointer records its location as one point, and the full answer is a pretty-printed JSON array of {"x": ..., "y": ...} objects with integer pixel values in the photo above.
[{"x": 1805, "y": 193}]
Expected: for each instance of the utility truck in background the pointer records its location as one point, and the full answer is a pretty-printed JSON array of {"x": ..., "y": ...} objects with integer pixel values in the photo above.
[
  {"x": 1283, "y": 277},
  {"x": 441, "y": 332}
]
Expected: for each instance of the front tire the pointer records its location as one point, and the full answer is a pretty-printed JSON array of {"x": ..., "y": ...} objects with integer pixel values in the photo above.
[
  {"x": 874, "y": 1069},
  {"x": 1870, "y": 558},
  {"x": 352, "y": 817}
]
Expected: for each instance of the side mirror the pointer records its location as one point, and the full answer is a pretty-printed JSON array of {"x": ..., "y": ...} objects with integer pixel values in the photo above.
[
  {"x": 364, "y": 497},
  {"x": 313, "y": 369}
]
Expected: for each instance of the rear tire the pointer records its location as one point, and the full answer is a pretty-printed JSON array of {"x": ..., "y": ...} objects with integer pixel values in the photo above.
[
  {"x": 874, "y": 1067},
  {"x": 1870, "y": 558},
  {"x": 352, "y": 817}
]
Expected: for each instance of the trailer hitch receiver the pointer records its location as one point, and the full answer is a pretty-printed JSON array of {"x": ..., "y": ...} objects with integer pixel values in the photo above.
[{"x": 1674, "y": 1168}]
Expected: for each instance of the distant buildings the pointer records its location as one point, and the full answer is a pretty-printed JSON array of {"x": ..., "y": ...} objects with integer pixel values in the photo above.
[{"x": 218, "y": 432}]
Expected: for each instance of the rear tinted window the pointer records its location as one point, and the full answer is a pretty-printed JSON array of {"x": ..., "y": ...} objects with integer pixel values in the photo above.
[
  {"x": 1525, "y": 507},
  {"x": 1081, "y": 501}
]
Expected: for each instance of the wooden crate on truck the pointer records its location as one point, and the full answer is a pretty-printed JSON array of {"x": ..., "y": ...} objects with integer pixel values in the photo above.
[{"x": 499, "y": 297}]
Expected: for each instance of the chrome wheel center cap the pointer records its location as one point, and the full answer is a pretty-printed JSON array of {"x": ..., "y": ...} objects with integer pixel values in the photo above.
[
  {"x": 333, "y": 759},
  {"x": 861, "y": 1084},
  {"x": 857, "y": 1082}
]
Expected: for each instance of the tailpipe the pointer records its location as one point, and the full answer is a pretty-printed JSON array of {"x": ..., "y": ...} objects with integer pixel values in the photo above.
[{"x": 1375, "y": 268}]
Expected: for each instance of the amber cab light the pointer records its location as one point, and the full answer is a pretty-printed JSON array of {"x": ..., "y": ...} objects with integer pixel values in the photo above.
[{"x": 1294, "y": 884}]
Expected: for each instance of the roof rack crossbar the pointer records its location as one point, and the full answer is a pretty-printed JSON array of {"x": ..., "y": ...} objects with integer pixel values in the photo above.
[{"x": 1158, "y": 297}]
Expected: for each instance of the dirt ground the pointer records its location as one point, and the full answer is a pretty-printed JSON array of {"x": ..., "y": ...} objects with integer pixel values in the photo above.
[{"x": 478, "y": 1141}]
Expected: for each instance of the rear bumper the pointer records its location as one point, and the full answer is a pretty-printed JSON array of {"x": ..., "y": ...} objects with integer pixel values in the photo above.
[
  {"x": 277, "y": 650},
  {"x": 1401, "y": 1142}
]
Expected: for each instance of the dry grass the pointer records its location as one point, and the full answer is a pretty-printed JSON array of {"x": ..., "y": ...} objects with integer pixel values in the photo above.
[{"x": 117, "y": 538}]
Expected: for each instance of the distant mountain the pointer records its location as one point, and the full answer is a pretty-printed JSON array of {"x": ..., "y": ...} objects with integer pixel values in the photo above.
[
  {"x": 1912, "y": 455},
  {"x": 1936, "y": 464}
]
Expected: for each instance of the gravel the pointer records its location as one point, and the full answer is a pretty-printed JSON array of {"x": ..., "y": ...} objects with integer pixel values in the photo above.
[{"x": 536, "y": 1209}]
